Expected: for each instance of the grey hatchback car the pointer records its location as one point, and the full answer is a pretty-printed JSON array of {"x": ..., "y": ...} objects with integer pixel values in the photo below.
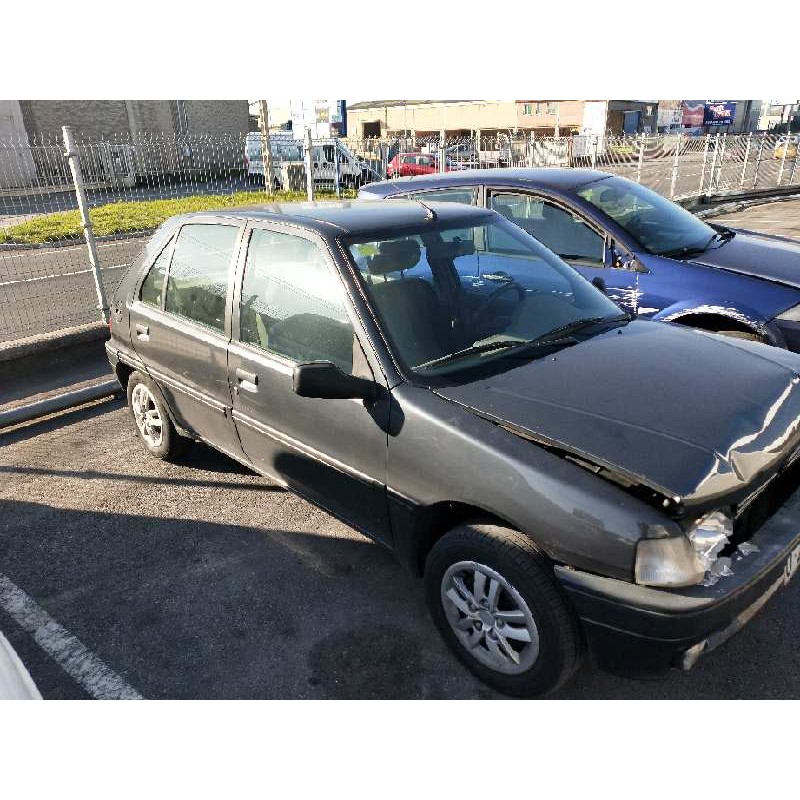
[{"x": 565, "y": 478}]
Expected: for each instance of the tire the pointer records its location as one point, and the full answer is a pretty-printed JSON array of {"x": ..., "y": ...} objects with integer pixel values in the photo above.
[
  {"x": 147, "y": 405},
  {"x": 527, "y": 594}
]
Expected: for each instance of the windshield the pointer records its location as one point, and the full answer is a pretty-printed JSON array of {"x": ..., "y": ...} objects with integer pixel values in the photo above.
[
  {"x": 454, "y": 298},
  {"x": 659, "y": 225}
]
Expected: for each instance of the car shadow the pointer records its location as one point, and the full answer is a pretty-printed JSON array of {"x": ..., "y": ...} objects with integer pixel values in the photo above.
[
  {"x": 186, "y": 608},
  {"x": 282, "y": 602}
]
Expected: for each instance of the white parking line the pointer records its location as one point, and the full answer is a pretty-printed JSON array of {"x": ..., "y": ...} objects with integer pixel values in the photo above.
[
  {"x": 27, "y": 253},
  {"x": 100, "y": 681},
  {"x": 59, "y": 275}
]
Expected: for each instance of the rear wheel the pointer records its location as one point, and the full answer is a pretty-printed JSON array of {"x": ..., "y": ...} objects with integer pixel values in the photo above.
[
  {"x": 153, "y": 423},
  {"x": 495, "y": 601}
]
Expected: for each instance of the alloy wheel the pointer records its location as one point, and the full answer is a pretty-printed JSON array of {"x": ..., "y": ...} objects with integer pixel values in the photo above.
[
  {"x": 147, "y": 416},
  {"x": 489, "y": 617}
]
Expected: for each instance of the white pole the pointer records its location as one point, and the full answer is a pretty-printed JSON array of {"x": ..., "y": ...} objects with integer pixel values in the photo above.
[
  {"x": 309, "y": 161},
  {"x": 783, "y": 157},
  {"x": 721, "y": 160},
  {"x": 746, "y": 156},
  {"x": 83, "y": 205},
  {"x": 758, "y": 159},
  {"x": 703, "y": 168},
  {"x": 266, "y": 147},
  {"x": 641, "y": 159},
  {"x": 675, "y": 162}
]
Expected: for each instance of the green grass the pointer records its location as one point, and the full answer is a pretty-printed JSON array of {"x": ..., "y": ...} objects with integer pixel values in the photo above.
[{"x": 140, "y": 215}]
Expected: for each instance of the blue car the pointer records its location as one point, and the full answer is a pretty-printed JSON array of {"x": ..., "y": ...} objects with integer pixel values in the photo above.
[{"x": 654, "y": 258}]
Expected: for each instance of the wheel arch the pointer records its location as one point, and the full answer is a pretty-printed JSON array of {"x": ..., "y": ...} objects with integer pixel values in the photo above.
[
  {"x": 123, "y": 372},
  {"x": 432, "y": 522},
  {"x": 715, "y": 318}
]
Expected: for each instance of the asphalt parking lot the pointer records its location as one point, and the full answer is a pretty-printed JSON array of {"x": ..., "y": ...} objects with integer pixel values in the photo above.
[{"x": 203, "y": 580}]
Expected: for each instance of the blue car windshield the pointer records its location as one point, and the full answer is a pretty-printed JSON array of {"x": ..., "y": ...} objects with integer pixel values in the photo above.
[
  {"x": 660, "y": 226},
  {"x": 453, "y": 298}
]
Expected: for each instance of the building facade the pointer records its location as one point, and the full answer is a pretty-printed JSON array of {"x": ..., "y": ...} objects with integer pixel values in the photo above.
[
  {"x": 453, "y": 118},
  {"x": 43, "y": 119}
]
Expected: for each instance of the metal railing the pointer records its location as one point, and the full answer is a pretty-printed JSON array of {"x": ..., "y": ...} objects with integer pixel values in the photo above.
[{"x": 55, "y": 270}]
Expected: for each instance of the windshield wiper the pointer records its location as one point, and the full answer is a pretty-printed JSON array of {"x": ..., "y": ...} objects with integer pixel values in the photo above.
[
  {"x": 501, "y": 344},
  {"x": 725, "y": 234},
  {"x": 578, "y": 325},
  {"x": 722, "y": 236}
]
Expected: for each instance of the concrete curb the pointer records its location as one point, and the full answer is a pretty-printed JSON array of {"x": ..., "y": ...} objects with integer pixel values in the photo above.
[
  {"x": 60, "y": 402},
  {"x": 46, "y": 342}
]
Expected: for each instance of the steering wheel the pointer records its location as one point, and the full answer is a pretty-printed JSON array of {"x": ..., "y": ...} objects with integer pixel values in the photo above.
[{"x": 487, "y": 303}]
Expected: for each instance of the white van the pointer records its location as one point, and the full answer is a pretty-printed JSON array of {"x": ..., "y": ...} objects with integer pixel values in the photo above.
[{"x": 353, "y": 171}]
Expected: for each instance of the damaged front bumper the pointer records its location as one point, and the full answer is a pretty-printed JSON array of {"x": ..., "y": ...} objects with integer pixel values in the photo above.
[{"x": 637, "y": 630}]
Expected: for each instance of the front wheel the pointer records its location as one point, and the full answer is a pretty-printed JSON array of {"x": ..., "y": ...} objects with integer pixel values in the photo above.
[{"x": 494, "y": 599}]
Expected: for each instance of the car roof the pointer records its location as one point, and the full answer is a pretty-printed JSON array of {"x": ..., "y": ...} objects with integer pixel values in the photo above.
[
  {"x": 564, "y": 179},
  {"x": 351, "y": 217}
]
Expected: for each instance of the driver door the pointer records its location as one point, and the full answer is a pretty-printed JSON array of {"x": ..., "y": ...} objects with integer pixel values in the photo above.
[{"x": 570, "y": 236}]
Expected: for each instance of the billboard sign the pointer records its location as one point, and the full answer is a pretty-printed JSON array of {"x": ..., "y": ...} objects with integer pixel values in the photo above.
[
  {"x": 719, "y": 113},
  {"x": 326, "y": 118},
  {"x": 693, "y": 113}
]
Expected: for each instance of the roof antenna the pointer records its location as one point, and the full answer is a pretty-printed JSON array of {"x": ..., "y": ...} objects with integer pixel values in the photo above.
[{"x": 429, "y": 212}]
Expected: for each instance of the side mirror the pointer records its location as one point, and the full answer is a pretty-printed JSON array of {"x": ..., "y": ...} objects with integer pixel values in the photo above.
[
  {"x": 600, "y": 284},
  {"x": 634, "y": 265},
  {"x": 325, "y": 380}
]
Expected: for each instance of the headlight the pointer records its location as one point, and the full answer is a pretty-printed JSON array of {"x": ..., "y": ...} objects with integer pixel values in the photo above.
[
  {"x": 790, "y": 315},
  {"x": 667, "y": 562},
  {"x": 686, "y": 560}
]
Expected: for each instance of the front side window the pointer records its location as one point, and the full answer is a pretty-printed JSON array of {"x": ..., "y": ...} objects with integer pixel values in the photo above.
[
  {"x": 657, "y": 224},
  {"x": 292, "y": 303},
  {"x": 197, "y": 286},
  {"x": 447, "y": 299},
  {"x": 562, "y": 231}
]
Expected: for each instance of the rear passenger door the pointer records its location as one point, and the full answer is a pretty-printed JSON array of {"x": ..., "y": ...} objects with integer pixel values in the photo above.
[
  {"x": 180, "y": 327},
  {"x": 291, "y": 307}
]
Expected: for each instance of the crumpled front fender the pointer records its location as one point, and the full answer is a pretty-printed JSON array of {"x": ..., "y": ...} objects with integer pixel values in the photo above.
[{"x": 738, "y": 313}]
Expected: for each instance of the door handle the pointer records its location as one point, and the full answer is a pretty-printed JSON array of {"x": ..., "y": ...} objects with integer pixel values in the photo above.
[
  {"x": 248, "y": 381},
  {"x": 142, "y": 331}
]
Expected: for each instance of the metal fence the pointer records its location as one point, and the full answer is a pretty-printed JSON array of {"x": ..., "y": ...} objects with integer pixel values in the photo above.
[{"x": 54, "y": 274}]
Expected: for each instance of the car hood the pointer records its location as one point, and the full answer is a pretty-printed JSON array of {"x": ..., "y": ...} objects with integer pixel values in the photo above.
[
  {"x": 692, "y": 415},
  {"x": 762, "y": 256}
]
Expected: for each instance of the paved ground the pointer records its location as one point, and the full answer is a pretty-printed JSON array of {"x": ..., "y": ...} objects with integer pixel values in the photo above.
[
  {"x": 203, "y": 580},
  {"x": 781, "y": 218}
]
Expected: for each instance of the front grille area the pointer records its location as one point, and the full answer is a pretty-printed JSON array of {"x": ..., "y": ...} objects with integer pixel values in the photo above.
[{"x": 765, "y": 504}]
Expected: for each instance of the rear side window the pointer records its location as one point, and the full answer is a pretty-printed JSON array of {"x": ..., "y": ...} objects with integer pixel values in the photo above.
[
  {"x": 465, "y": 195},
  {"x": 198, "y": 276},
  {"x": 153, "y": 284},
  {"x": 292, "y": 303}
]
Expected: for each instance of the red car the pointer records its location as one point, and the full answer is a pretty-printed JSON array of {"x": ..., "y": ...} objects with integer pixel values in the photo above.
[{"x": 406, "y": 164}]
